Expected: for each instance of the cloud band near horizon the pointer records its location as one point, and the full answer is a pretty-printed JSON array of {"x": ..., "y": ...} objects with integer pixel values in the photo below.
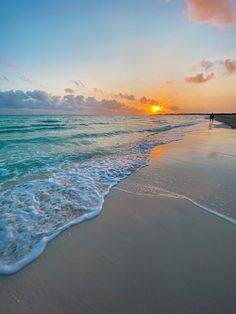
[{"x": 38, "y": 101}]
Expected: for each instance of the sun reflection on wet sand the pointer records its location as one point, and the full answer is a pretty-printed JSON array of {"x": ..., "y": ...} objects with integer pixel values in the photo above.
[{"x": 157, "y": 153}]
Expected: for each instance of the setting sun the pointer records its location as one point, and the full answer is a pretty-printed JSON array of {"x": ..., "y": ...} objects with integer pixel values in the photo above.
[{"x": 156, "y": 109}]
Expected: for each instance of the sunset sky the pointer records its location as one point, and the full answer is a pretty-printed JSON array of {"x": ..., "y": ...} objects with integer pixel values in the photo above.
[{"x": 117, "y": 57}]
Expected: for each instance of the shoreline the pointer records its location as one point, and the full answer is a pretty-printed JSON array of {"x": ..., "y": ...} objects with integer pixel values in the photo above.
[
  {"x": 142, "y": 254},
  {"x": 227, "y": 119}
]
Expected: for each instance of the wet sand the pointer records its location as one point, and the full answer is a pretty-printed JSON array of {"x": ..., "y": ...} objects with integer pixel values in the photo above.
[
  {"x": 227, "y": 119},
  {"x": 145, "y": 253}
]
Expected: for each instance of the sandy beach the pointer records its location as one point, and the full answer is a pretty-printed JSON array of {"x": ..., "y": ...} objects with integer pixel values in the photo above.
[{"x": 149, "y": 251}]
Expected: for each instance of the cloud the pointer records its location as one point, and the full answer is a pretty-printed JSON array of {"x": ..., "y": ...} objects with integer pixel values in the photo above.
[
  {"x": 126, "y": 97},
  {"x": 98, "y": 90},
  {"x": 69, "y": 91},
  {"x": 173, "y": 107},
  {"x": 25, "y": 78},
  {"x": 219, "y": 12},
  {"x": 145, "y": 100},
  {"x": 78, "y": 83},
  {"x": 229, "y": 66},
  {"x": 8, "y": 64},
  {"x": 199, "y": 78},
  {"x": 106, "y": 106},
  {"x": 4, "y": 78},
  {"x": 37, "y": 101},
  {"x": 206, "y": 64},
  {"x": 28, "y": 80},
  {"x": 226, "y": 66},
  {"x": 19, "y": 99}
]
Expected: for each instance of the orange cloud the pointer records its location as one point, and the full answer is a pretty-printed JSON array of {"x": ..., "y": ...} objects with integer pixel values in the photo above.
[
  {"x": 199, "y": 78},
  {"x": 145, "y": 100},
  {"x": 221, "y": 12}
]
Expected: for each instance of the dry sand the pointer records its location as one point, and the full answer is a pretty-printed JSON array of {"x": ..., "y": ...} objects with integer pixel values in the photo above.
[{"x": 144, "y": 253}]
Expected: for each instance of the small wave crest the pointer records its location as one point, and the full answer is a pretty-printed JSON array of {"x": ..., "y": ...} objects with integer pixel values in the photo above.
[
  {"x": 169, "y": 127},
  {"x": 50, "y": 121},
  {"x": 155, "y": 191}
]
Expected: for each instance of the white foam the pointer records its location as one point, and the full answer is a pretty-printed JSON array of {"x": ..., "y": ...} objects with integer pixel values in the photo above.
[{"x": 160, "y": 192}]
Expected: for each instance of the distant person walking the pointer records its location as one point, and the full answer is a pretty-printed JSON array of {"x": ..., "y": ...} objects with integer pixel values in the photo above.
[{"x": 211, "y": 117}]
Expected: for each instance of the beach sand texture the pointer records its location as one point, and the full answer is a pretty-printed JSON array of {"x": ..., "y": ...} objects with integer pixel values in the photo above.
[{"x": 148, "y": 252}]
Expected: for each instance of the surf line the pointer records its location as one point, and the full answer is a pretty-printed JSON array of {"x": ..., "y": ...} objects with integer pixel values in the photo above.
[{"x": 166, "y": 193}]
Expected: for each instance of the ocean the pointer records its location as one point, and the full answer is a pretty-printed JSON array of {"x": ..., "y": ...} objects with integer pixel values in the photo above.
[{"x": 55, "y": 171}]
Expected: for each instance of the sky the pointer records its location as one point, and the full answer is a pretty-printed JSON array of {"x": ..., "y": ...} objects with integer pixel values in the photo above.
[{"x": 117, "y": 57}]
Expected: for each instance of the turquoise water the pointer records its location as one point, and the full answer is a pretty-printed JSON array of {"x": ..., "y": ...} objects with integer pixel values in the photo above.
[{"x": 56, "y": 170}]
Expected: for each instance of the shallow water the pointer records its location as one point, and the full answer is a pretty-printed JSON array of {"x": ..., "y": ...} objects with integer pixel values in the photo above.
[
  {"x": 56, "y": 170},
  {"x": 201, "y": 170}
]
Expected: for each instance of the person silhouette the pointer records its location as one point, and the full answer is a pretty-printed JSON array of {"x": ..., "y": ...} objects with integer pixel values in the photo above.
[{"x": 211, "y": 117}]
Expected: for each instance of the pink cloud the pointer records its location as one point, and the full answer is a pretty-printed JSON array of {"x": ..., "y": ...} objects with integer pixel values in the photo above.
[
  {"x": 199, "y": 78},
  {"x": 220, "y": 12},
  {"x": 206, "y": 64},
  {"x": 69, "y": 91},
  {"x": 229, "y": 65},
  {"x": 127, "y": 97}
]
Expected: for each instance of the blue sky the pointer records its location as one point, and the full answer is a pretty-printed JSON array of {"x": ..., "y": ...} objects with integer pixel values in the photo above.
[{"x": 130, "y": 47}]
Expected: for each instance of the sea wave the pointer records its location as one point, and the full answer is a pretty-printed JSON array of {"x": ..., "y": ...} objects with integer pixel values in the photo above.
[{"x": 68, "y": 189}]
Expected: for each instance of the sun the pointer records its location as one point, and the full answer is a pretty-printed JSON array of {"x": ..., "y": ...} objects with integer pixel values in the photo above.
[{"x": 156, "y": 109}]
